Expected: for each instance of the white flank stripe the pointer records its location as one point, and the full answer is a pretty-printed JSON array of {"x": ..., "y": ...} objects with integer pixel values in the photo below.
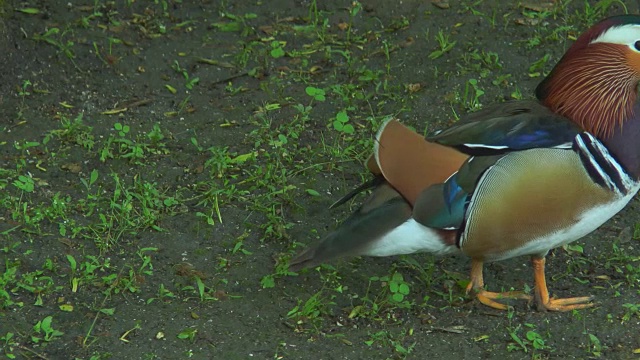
[
  {"x": 376, "y": 144},
  {"x": 502, "y": 147},
  {"x": 594, "y": 163},
  {"x": 627, "y": 181},
  {"x": 485, "y": 146}
]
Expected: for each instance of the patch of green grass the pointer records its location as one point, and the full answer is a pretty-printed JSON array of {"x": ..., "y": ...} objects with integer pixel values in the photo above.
[
  {"x": 59, "y": 39},
  {"x": 480, "y": 62},
  {"x": 472, "y": 94},
  {"x": 445, "y": 44},
  {"x": 395, "y": 342},
  {"x": 72, "y": 132},
  {"x": 624, "y": 264},
  {"x": 591, "y": 14},
  {"x": 121, "y": 144},
  {"x": 44, "y": 331},
  {"x": 532, "y": 341},
  {"x": 9, "y": 345},
  {"x": 236, "y": 23},
  {"x": 188, "y": 334},
  {"x": 189, "y": 81}
]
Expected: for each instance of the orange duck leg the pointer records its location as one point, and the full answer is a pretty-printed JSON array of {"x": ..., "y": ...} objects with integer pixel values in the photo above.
[
  {"x": 488, "y": 297},
  {"x": 544, "y": 302}
]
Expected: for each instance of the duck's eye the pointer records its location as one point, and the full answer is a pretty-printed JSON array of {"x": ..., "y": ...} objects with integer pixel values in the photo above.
[{"x": 636, "y": 45}]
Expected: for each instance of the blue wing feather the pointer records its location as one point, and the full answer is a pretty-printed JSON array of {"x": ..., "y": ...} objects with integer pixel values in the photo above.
[
  {"x": 453, "y": 200},
  {"x": 510, "y": 126}
]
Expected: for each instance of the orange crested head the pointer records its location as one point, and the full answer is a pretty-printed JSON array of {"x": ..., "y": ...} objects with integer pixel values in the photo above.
[{"x": 595, "y": 84}]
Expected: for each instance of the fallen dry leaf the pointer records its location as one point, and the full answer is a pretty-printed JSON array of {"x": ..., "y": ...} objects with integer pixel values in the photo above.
[{"x": 441, "y": 4}]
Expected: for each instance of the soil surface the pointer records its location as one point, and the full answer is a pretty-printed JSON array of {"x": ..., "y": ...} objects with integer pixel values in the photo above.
[{"x": 160, "y": 162}]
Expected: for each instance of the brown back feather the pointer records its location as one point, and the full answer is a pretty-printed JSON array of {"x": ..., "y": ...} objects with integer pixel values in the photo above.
[{"x": 410, "y": 163}]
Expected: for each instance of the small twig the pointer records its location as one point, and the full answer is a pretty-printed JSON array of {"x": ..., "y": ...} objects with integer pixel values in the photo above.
[
  {"x": 138, "y": 103},
  {"x": 231, "y": 78},
  {"x": 18, "y": 124},
  {"x": 38, "y": 355},
  {"x": 320, "y": 164},
  {"x": 457, "y": 329}
]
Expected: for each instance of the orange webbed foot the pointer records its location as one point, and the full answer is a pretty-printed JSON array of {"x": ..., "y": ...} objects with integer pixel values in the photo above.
[
  {"x": 565, "y": 304},
  {"x": 488, "y": 297},
  {"x": 545, "y": 302}
]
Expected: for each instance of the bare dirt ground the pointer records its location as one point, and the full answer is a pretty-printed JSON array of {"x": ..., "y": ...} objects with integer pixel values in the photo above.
[{"x": 160, "y": 162}]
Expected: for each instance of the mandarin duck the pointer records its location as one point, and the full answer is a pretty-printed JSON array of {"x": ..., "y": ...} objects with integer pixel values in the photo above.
[{"x": 517, "y": 178}]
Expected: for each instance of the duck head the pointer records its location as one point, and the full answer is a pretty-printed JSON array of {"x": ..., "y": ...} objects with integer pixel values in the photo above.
[{"x": 595, "y": 84}]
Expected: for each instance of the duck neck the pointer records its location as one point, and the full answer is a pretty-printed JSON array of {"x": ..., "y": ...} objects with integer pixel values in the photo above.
[{"x": 624, "y": 144}]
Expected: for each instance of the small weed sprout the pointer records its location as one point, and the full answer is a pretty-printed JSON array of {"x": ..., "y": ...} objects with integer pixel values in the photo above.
[
  {"x": 444, "y": 43},
  {"x": 44, "y": 331}
]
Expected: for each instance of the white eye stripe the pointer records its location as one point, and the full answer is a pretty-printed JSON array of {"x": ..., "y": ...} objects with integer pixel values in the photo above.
[{"x": 622, "y": 35}]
